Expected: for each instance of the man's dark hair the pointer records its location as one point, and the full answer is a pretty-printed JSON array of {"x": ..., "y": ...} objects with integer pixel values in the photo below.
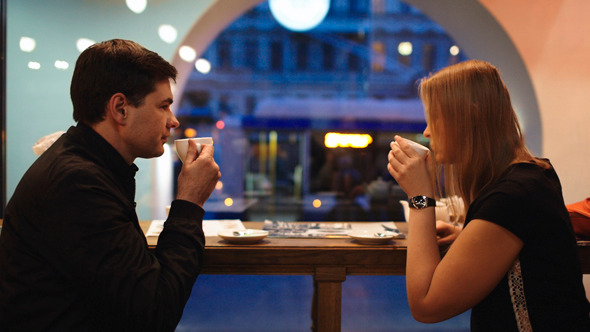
[{"x": 115, "y": 66}]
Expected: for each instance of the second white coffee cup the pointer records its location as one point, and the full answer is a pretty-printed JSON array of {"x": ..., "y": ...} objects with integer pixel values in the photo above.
[
  {"x": 182, "y": 145},
  {"x": 420, "y": 149}
]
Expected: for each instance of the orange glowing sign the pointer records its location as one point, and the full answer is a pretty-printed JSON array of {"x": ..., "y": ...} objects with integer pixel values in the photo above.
[{"x": 335, "y": 140}]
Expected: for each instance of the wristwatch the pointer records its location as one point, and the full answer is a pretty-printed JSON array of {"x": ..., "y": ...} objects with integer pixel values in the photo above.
[{"x": 421, "y": 202}]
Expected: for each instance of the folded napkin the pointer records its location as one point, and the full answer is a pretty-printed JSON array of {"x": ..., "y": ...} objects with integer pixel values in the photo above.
[
  {"x": 580, "y": 216},
  {"x": 210, "y": 227}
]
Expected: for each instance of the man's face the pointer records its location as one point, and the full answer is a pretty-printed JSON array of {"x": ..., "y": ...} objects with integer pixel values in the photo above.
[{"x": 148, "y": 126}]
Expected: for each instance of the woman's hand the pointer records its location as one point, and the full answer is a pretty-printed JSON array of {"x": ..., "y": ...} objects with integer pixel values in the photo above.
[
  {"x": 410, "y": 170},
  {"x": 446, "y": 232}
]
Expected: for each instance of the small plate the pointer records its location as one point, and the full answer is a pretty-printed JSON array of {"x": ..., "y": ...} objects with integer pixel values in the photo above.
[
  {"x": 244, "y": 236},
  {"x": 368, "y": 237}
]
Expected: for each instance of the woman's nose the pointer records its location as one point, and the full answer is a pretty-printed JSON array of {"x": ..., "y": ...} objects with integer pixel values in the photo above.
[{"x": 426, "y": 132}]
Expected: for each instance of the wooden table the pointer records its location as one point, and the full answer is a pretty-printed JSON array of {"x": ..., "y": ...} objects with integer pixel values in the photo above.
[{"x": 329, "y": 261}]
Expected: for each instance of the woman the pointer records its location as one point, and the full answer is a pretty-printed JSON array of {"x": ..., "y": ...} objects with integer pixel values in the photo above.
[{"x": 515, "y": 262}]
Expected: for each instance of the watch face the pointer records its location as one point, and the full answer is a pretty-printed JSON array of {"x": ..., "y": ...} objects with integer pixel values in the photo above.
[{"x": 419, "y": 202}]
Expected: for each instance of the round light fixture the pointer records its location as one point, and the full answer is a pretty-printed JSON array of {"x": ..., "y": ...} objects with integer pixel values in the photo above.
[
  {"x": 299, "y": 15},
  {"x": 405, "y": 48},
  {"x": 136, "y": 6},
  {"x": 203, "y": 66},
  {"x": 34, "y": 65},
  {"x": 27, "y": 44},
  {"x": 61, "y": 64},
  {"x": 84, "y": 43},
  {"x": 187, "y": 53},
  {"x": 167, "y": 33}
]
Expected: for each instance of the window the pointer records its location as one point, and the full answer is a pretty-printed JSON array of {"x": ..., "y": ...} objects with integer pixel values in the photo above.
[
  {"x": 251, "y": 54},
  {"x": 348, "y": 78},
  {"x": 224, "y": 54},
  {"x": 328, "y": 57},
  {"x": 302, "y": 53},
  {"x": 276, "y": 56},
  {"x": 428, "y": 56}
]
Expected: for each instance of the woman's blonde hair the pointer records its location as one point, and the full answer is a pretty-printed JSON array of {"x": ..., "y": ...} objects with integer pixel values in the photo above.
[{"x": 471, "y": 119}]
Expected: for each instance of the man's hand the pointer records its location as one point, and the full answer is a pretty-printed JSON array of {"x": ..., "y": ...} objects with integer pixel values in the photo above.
[{"x": 199, "y": 174}]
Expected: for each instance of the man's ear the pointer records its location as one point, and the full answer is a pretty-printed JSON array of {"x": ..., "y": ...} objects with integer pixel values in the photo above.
[{"x": 117, "y": 108}]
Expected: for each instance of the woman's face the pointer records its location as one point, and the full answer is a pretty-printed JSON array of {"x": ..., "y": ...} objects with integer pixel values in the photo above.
[{"x": 437, "y": 149}]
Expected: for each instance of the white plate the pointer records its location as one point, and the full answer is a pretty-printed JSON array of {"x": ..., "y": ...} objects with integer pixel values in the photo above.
[
  {"x": 244, "y": 236},
  {"x": 368, "y": 237}
]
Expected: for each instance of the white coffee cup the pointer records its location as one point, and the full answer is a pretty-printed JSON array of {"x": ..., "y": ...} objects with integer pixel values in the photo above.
[
  {"x": 420, "y": 149},
  {"x": 182, "y": 145}
]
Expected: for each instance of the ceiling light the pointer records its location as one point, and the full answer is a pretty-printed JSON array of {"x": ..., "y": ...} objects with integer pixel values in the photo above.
[
  {"x": 34, "y": 65},
  {"x": 203, "y": 66},
  {"x": 136, "y": 6},
  {"x": 27, "y": 44},
  {"x": 187, "y": 53},
  {"x": 167, "y": 33},
  {"x": 84, "y": 43},
  {"x": 405, "y": 48},
  {"x": 299, "y": 15},
  {"x": 60, "y": 64}
]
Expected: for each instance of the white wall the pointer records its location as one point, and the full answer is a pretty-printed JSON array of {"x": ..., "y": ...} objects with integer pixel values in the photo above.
[
  {"x": 38, "y": 102},
  {"x": 552, "y": 38},
  {"x": 553, "y": 41}
]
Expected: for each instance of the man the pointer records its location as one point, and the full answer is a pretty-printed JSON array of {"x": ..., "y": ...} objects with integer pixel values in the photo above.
[{"x": 72, "y": 254}]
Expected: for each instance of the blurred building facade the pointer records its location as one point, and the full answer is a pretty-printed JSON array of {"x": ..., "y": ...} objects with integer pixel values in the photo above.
[{"x": 269, "y": 96}]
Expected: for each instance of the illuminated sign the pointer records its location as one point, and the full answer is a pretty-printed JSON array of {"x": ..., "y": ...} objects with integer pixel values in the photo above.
[{"x": 335, "y": 140}]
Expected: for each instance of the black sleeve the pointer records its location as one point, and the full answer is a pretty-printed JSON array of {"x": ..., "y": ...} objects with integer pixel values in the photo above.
[
  {"x": 506, "y": 209},
  {"x": 100, "y": 250}
]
